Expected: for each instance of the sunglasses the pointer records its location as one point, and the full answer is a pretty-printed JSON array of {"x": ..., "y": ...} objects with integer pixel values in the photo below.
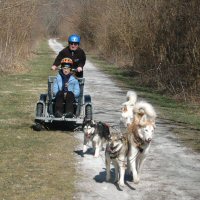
[{"x": 74, "y": 43}]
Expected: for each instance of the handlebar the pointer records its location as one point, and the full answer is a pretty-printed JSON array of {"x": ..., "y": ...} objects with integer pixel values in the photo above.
[{"x": 72, "y": 69}]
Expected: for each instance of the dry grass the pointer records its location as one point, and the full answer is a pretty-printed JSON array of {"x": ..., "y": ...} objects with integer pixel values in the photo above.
[{"x": 34, "y": 165}]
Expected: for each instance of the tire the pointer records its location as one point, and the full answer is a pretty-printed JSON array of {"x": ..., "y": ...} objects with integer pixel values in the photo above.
[
  {"x": 39, "y": 110},
  {"x": 88, "y": 112},
  {"x": 37, "y": 127}
]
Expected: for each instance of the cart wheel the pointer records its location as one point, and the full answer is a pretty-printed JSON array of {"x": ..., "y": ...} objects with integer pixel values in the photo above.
[
  {"x": 88, "y": 112},
  {"x": 37, "y": 127},
  {"x": 39, "y": 110}
]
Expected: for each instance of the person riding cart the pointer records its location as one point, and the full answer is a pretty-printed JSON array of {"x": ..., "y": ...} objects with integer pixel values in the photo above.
[
  {"x": 74, "y": 52},
  {"x": 65, "y": 106},
  {"x": 65, "y": 89}
]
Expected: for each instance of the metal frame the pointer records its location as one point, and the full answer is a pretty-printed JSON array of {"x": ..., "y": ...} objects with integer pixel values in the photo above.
[{"x": 46, "y": 100}]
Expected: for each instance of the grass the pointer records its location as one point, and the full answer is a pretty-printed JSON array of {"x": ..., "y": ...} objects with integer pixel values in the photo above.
[
  {"x": 40, "y": 165},
  {"x": 179, "y": 113},
  {"x": 34, "y": 165}
]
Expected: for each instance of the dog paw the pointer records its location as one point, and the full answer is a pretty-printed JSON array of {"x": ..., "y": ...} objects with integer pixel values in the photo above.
[
  {"x": 96, "y": 154},
  {"x": 84, "y": 149},
  {"x": 116, "y": 180},
  {"x": 107, "y": 178},
  {"x": 136, "y": 180},
  {"x": 121, "y": 184}
]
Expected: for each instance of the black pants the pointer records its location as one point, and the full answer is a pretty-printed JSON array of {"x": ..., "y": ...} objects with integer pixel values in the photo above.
[{"x": 67, "y": 98}]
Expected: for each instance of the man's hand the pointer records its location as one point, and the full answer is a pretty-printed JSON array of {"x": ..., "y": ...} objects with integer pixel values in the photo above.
[
  {"x": 79, "y": 69},
  {"x": 54, "y": 67}
]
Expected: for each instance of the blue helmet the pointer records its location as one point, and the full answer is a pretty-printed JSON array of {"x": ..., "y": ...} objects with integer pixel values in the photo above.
[{"x": 74, "y": 38}]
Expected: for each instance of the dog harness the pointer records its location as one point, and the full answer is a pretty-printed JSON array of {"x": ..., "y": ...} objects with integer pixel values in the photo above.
[
  {"x": 112, "y": 151},
  {"x": 134, "y": 136}
]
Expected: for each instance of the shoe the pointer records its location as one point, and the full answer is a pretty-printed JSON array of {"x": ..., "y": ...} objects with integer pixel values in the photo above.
[
  {"x": 58, "y": 114},
  {"x": 69, "y": 115}
]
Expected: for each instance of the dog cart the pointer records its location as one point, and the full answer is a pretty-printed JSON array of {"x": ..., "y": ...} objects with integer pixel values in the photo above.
[{"x": 44, "y": 114}]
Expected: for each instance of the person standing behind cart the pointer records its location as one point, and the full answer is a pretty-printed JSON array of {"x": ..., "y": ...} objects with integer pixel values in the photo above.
[
  {"x": 66, "y": 89},
  {"x": 74, "y": 52}
]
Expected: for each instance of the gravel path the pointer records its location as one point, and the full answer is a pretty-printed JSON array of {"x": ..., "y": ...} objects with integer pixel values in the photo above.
[{"x": 171, "y": 171}]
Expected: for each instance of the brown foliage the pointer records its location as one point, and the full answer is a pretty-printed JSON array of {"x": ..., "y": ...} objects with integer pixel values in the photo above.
[
  {"x": 159, "y": 39},
  {"x": 17, "y": 19},
  {"x": 24, "y": 22}
]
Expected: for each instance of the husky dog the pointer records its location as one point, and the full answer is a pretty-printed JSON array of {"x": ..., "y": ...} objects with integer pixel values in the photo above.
[
  {"x": 127, "y": 109},
  {"x": 97, "y": 133},
  {"x": 131, "y": 97},
  {"x": 132, "y": 146},
  {"x": 140, "y": 135},
  {"x": 116, "y": 152}
]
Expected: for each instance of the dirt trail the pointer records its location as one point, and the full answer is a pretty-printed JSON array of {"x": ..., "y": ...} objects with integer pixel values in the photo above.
[{"x": 171, "y": 170}]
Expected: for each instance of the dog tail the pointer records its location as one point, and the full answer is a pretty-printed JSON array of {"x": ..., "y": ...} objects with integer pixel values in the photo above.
[
  {"x": 143, "y": 107},
  {"x": 131, "y": 97}
]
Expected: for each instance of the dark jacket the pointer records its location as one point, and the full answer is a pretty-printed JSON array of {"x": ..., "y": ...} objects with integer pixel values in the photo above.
[{"x": 77, "y": 56}]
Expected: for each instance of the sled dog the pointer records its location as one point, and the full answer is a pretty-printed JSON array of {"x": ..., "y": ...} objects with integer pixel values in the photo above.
[
  {"x": 131, "y": 98},
  {"x": 132, "y": 146},
  {"x": 127, "y": 109},
  {"x": 96, "y": 132},
  {"x": 140, "y": 135},
  {"x": 116, "y": 152}
]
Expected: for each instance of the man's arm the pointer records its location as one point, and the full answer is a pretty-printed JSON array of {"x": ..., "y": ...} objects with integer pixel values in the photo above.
[
  {"x": 57, "y": 61},
  {"x": 82, "y": 61}
]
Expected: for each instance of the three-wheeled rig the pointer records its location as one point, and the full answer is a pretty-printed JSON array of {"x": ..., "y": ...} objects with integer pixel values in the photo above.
[{"x": 44, "y": 115}]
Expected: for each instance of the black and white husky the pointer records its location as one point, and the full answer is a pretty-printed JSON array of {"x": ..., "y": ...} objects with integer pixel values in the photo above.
[{"x": 96, "y": 132}]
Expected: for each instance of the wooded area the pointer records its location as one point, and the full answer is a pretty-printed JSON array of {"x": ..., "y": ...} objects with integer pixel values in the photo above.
[{"x": 156, "y": 39}]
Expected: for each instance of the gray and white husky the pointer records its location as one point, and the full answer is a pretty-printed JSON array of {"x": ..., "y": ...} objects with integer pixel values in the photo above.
[
  {"x": 96, "y": 132},
  {"x": 116, "y": 152}
]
